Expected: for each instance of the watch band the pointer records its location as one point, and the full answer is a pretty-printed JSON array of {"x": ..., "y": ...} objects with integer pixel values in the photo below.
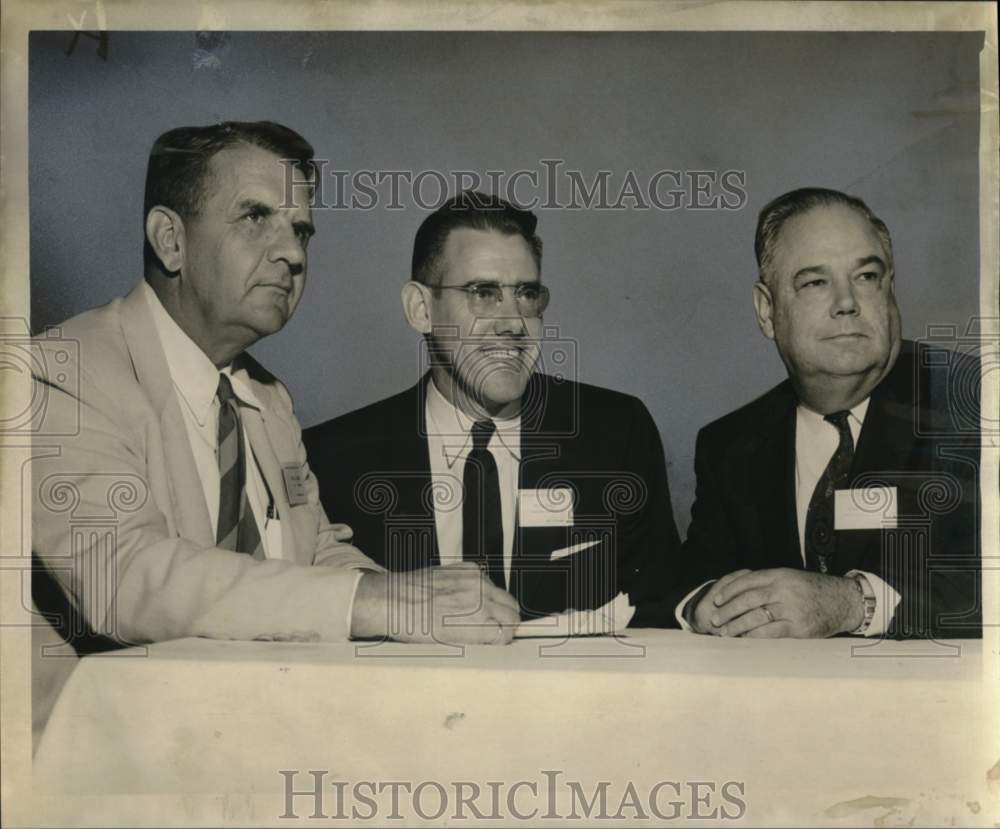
[{"x": 868, "y": 599}]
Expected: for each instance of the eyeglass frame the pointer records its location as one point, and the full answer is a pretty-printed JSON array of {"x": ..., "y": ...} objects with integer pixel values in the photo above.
[{"x": 545, "y": 295}]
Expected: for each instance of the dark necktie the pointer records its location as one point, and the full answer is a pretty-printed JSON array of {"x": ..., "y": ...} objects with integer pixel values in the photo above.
[
  {"x": 482, "y": 526},
  {"x": 237, "y": 525},
  {"x": 820, "y": 541}
]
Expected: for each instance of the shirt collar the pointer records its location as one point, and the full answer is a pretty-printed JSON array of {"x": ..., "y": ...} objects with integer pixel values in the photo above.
[
  {"x": 194, "y": 376},
  {"x": 857, "y": 414},
  {"x": 450, "y": 425}
]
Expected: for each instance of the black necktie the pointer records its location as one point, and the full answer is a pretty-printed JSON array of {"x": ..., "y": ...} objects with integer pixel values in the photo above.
[
  {"x": 237, "y": 526},
  {"x": 482, "y": 525},
  {"x": 820, "y": 541}
]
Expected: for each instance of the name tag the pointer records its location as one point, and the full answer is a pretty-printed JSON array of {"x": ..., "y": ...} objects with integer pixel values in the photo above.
[
  {"x": 871, "y": 508},
  {"x": 545, "y": 507},
  {"x": 295, "y": 485}
]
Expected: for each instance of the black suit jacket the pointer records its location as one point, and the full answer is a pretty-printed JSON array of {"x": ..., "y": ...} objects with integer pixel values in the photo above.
[
  {"x": 920, "y": 435},
  {"x": 373, "y": 468}
]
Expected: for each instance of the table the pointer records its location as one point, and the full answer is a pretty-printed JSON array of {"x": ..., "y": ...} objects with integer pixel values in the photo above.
[{"x": 834, "y": 732}]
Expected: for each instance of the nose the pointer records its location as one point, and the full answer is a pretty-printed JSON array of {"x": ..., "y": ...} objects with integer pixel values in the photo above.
[
  {"x": 845, "y": 303},
  {"x": 507, "y": 318},
  {"x": 286, "y": 246}
]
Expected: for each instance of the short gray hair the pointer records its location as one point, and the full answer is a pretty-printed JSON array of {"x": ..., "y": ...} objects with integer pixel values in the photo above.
[{"x": 778, "y": 211}]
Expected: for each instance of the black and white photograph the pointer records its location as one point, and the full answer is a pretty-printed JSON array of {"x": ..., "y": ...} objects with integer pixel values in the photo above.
[{"x": 476, "y": 414}]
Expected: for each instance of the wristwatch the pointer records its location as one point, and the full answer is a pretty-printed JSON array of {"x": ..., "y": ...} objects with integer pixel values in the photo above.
[{"x": 868, "y": 599}]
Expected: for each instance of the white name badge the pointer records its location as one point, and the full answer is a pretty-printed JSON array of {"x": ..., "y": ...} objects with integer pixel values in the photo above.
[
  {"x": 545, "y": 507},
  {"x": 871, "y": 508},
  {"x": 295, "y": 484}
]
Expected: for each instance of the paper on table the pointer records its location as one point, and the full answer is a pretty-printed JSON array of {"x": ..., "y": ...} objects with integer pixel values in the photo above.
[{"x": 602, "y": 621}]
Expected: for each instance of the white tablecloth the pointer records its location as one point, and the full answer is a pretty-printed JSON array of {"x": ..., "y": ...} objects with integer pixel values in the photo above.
[{"x": 835, "y": 732}]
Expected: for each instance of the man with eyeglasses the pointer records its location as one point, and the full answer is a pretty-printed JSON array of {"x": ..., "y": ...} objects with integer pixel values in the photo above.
[{"x": 556, "y": 489}]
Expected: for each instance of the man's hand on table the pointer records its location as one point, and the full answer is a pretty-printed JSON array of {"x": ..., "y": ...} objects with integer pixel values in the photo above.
[
  {"x": 456, "y": 605},
  {"x": 781, "y": 602}
]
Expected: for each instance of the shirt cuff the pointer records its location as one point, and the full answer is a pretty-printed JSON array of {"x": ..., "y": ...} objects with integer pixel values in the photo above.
[
  {"x": 350, "y": 604},
  {"x": 679, "y": 610},
  {"x": 886, "y": 601}
]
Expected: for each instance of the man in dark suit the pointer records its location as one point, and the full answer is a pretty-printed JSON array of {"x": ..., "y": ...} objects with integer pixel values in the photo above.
[
  {"x": 845, "y": 500},
  {"x": 558, "y": 489}
]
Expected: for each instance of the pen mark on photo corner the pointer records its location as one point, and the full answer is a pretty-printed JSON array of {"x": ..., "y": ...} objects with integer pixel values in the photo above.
[
  {"x": 885, "y": 162},
  {"x": 993, "y": 778},
  {"x": 846, "y": 808},
  {"x": 453, "y": 718}
]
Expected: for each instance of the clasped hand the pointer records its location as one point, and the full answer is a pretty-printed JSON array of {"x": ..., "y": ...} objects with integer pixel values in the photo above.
[
  {"x": 780, "y": 602},
  {"x": 456, "y": 604}
]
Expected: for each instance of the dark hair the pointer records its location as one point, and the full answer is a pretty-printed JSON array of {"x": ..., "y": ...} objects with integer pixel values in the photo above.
[
  {"x": 473, "y": 210},
  {"x": 778, "y": 211},
  {"x": 177, "y": 174}
]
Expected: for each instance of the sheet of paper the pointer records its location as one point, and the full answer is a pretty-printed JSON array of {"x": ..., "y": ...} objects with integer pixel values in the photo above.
[{"x": 602, "y": 621}]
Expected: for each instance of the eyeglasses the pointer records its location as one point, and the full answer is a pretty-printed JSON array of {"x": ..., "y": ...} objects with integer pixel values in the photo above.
[{"x": 485, "y": 298}]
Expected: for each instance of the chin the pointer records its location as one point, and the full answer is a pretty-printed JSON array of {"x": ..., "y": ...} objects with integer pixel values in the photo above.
[
  {"x": 502, "y": 388},
  {"x": 270, "y": 321},
  {"x": 849, "y": 361}
]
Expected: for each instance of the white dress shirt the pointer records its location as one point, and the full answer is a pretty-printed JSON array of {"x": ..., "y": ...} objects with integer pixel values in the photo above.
[
  {"x": 196, "y": 381},
  {"x": 815, "y": 442},
  {"x": 449, "y": 441}
]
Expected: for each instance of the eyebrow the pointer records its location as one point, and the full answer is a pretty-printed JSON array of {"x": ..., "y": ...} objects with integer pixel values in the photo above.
[
  {"x": 820, "y": 269},
  {"x": 869, "y": 260},
  {"x": 501, "y": 284},
  {"x": 254, "y": 204},
  {"x": 825, "y": 270},
  {"x": 266, "y": 209}
]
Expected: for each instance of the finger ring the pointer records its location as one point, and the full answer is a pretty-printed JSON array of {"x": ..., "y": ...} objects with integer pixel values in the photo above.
[
  {"x": 767, "y": 612},
  {"x": 499, "y": 635}
]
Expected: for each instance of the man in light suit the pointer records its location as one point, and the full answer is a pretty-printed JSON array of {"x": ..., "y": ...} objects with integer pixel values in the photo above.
[
  {"x": 558, "y": 489},
  {"x": 845, "y": 500},
  {"x": 171, "y": 492}
]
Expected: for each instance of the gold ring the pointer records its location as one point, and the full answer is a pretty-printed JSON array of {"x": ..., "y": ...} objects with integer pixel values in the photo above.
[
  {"x": 767, "y": 612},
  {"x": 499, "y": 635}
]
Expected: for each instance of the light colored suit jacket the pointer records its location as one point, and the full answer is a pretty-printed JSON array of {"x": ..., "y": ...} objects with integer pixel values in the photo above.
[{"x": 118, "y": 511}]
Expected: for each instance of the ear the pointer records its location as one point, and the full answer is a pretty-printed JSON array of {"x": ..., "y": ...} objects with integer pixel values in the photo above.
[
  {"x": 165, "y": 233},
  {"x": 416, "y": 306},
  {"x": 763, "y": 305}
]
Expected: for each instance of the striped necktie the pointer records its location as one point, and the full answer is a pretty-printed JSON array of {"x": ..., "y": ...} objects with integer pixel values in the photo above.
[
  {"x": 237, "y": 525},
  {"x": 821, "y": 542}
]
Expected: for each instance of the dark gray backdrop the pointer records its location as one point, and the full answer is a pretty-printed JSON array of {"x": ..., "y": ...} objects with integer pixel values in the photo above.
[{"x": 657, "y": 301}]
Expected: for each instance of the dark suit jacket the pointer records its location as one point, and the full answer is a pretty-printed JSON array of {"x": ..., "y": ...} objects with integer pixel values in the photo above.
[
  {"x": 920, "y": 435},
  {"x": 373, "y": 465}
]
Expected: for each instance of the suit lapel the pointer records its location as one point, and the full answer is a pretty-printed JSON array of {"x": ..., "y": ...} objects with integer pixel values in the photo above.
[
  {"x": 886, "y": 443},
  {"x": 258, "y": 427},
  {"x": 186, "y": 491},
  {"x": 887, "y": 436},
  {"x": 146, "y": 352},
  {"x": 773, "y": 484},
  {"x": 412, "y": 452},
  {"x": 541, "y": 457}
]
